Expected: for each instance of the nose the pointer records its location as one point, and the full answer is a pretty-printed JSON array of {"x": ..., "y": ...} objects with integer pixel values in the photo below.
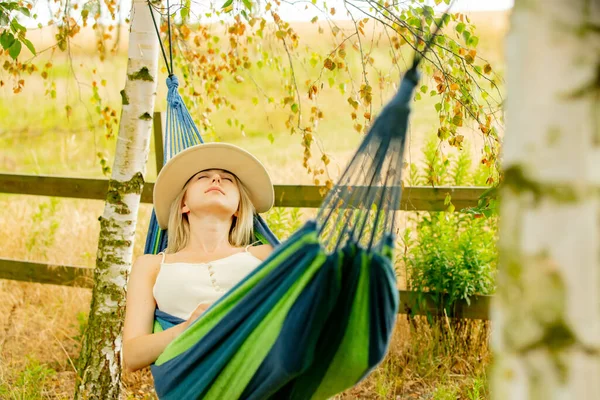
[{"x": 216, "y": 178}]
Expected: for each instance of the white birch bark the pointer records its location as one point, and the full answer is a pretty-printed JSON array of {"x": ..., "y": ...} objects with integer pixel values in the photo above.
[
  {"x": 99, "y": 363},
  {"x": 546, "y": 316}
]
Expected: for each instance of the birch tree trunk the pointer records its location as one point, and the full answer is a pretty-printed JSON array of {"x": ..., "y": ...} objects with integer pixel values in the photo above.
[
  {"x": 99, "y": 366},
  {"x": 546, "y": 315}
]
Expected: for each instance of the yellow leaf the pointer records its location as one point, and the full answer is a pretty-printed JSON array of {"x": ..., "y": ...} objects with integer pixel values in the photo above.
[{"x": 329, "y": 64}]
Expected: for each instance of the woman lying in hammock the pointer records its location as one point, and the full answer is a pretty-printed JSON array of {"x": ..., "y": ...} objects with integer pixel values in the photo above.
[{"x": 206, "y": 197}]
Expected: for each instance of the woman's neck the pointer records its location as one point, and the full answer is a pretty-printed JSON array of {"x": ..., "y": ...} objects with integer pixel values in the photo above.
[{"x": 208, "y": 234}]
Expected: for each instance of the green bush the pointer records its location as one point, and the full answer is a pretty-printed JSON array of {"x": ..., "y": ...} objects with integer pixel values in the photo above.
[
  {"x": 453, "y": 253},
  {"x": 283, "y": 222},
  {"x": 30, "y": 383},
  {"x": 44, "y": 227},
  {"x": 450, "y": 252}
]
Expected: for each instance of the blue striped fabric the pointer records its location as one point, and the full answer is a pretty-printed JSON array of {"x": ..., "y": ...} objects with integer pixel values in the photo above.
[{"x": 299, "y": 364}]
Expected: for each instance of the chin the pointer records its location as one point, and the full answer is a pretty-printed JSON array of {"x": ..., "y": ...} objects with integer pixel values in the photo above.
[{"x": 215, "y": 207}]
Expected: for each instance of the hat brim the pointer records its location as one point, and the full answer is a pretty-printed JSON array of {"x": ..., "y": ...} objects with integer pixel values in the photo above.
[{"x": 179, "y": 169}]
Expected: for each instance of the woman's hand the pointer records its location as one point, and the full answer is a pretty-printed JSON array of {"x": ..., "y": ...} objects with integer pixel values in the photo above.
[{"x": 202, "y": 307}]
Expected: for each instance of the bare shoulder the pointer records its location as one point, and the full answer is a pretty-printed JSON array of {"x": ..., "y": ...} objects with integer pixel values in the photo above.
[
  {"x": 147, "y": 264},
  {"x": 261, "y": 252}
]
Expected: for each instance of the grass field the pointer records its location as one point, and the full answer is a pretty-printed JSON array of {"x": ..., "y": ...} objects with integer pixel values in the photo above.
[{"x": 40, "y": 326}]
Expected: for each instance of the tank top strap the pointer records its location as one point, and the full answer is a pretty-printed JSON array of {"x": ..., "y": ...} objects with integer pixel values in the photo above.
[
  {"x": 250, "y": 245},
  {"x": 163, "y": 256}
]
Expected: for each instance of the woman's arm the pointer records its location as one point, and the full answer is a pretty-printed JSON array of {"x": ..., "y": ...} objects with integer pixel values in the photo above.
[{"x": 141, "y": 347}]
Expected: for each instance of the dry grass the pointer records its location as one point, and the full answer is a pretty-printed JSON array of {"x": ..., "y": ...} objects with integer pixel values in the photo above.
[
  {"x": 424, "y": 359},
  {"x": 40, "y": 325}
]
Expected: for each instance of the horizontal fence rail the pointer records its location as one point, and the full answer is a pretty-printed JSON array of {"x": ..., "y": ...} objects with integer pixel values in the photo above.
[
  {"x": 411, "y": 302},
  {"x": 414, "y": 198},
  {"x": 301, "y": 196},
  {"x": 37, "y": 272}
]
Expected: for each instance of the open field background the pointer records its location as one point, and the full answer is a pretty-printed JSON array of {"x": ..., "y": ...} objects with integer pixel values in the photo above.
[{"x": 40, "y": 326}]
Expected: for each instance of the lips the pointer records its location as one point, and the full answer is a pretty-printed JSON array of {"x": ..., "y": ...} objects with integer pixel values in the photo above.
[{"x": 213, "y": 188}]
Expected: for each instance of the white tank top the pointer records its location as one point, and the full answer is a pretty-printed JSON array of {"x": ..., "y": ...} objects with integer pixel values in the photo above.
[{"x": 181, "y": 287}]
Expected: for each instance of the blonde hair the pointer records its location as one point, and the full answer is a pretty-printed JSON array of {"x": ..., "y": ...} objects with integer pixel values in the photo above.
[{"x": 241, "y": 232}]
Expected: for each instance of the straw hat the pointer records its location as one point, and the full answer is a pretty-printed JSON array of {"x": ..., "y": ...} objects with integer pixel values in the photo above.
[{"x": 179, "y": 169}]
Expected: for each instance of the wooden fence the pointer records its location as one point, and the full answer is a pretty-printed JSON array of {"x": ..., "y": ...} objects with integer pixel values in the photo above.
[{"x": 413, "y": 199}]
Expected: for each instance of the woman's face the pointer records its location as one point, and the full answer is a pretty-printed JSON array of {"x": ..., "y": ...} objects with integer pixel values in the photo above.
[{"x": 212, "y": 190}]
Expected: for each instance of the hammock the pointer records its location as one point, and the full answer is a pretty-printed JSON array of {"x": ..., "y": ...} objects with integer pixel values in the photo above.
[{"x": 317, "y": 315}]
